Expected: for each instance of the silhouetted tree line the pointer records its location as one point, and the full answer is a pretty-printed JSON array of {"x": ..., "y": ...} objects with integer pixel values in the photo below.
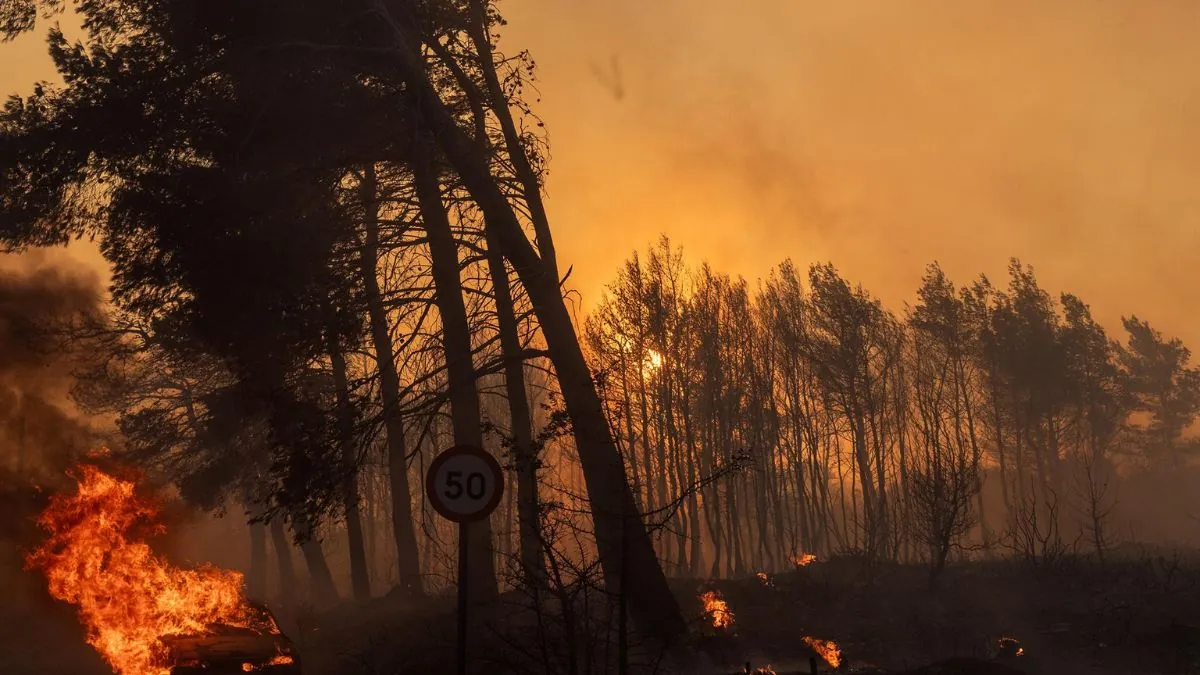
[{"x": 875, "y": 433}]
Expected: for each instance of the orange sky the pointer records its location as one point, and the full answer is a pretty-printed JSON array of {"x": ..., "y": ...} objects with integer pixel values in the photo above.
[{"x": 879, "y": 135}]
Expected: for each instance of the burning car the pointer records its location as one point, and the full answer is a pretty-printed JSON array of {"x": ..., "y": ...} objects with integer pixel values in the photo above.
[{"x": 259, "y": 647}]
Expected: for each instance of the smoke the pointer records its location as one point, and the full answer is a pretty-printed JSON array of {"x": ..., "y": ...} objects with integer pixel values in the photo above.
[
  {"x": 40, "y": 301},
  {"x": 881, "y": 136}
]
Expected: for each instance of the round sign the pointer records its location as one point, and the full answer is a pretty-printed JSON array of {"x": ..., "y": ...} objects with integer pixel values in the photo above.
[{"x": 464, "y": 484}]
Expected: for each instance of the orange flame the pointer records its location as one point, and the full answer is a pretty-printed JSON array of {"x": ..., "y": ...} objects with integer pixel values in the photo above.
[
  {"x": 716, "y": 608},
  {"x": 826, "y": 649},
  {"x": 128, "y": 597},
  {"x": 280, "y": 660},
  {"x": 803, "y": 559},
  {"x": 765, "y": 579}
]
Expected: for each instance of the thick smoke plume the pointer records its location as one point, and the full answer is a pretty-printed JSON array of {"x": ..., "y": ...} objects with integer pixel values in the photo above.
[
  {"x": 40, "y": 430},
  {"x": 39, "y": 305}
]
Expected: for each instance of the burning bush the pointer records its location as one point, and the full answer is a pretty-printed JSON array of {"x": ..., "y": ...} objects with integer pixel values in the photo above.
[
  {"x": 716, "y": 609},
  {"x": 803, "y": 559},
  {"x": 828, "y": 650}
]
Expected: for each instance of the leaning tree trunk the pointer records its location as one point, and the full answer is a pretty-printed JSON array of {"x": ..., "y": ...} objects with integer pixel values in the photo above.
[
  {"x": 283, "y": 560},
  {"x": 320, "y": 579},
  {"x": 359, "y": 581},
  {"x": 652, "y": 605},
  {"x": 460, "y": 368},
  {"x": 256, "y": 580},
  {"x": 403, "y": 531},
  {"x": 525, "y": 455}
]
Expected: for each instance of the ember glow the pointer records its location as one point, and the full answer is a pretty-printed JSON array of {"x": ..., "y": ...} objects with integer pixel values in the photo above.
[
  {"x": 826, "y": 649},
  {"x": 803, "y": 559},
  {"x": 1010, "y": 647},
  {"x": 765, "y": 579},
  {"x": 127, "y": 596},
  {"x": 716, "y": 609}
]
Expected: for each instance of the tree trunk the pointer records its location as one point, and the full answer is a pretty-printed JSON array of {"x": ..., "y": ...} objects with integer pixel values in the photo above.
[
  {"x": 524, "y": 453},
  {"x": 320, "y": 579},
  {"x": 652, "y": 605},
  {"x": 359, "y": 581},
  {"x": 403, "y": 531},
  {"x": 460, "y": 368},
  {"x": 256, "y": 580},
  {"x": 479, "y": 30},
  {"x": 283, "y": 560}
]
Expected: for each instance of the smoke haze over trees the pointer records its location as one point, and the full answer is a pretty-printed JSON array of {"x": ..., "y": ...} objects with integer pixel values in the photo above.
[{"x": 944, "y": 429}]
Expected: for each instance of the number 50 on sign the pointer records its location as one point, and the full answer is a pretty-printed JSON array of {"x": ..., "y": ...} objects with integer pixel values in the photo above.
[{"x": 464, "y": 484}]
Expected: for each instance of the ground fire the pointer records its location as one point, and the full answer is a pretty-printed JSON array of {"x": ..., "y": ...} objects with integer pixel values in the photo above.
[
  {"x": 716, "y": 609},
  {"x": 127, "y": 597},
  {"x": 1008, "y": 647},
  {"x": 803, "y": 559},
  {"x": 827, "y": 650}
]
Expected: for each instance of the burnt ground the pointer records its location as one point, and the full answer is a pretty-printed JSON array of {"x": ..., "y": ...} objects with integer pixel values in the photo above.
[{"x": 1137, "y": 615}]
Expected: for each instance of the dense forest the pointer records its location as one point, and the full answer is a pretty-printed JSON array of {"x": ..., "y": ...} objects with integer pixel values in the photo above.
[{"x": 332, "y": 259}]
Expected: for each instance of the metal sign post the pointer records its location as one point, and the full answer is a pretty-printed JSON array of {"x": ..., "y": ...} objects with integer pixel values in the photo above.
[{"x": 464, "y": 485}]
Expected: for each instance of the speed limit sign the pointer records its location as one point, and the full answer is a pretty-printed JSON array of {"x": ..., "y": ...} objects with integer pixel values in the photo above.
[{"x": 464, "y": 484}]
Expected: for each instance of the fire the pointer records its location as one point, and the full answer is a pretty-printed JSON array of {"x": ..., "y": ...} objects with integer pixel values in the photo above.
[
  {"x": 765, "y": 579},
  {"x": 716, "y": 608},
  {"x": 826, "y": 649},
  {"x": 280, "y": 660},
  {"x": 803, "y": 559},
  {"x": 127, "y": 596},
  {"x": 654, "y": 360}
]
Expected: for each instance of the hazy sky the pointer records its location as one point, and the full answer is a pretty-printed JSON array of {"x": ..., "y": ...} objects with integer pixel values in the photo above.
[{"x": 879, "y": 135}]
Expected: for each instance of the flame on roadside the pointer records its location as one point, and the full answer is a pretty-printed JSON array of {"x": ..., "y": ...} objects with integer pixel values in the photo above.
[
  {"x": 765, "y": 579},
  {"x": 716, "y": 609},
  {"x": 827, "y": 650},
  {"x": 280, "y": 660},
  {"x": 127, "y": 597},
  {"x": 803, "y": 559}
]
